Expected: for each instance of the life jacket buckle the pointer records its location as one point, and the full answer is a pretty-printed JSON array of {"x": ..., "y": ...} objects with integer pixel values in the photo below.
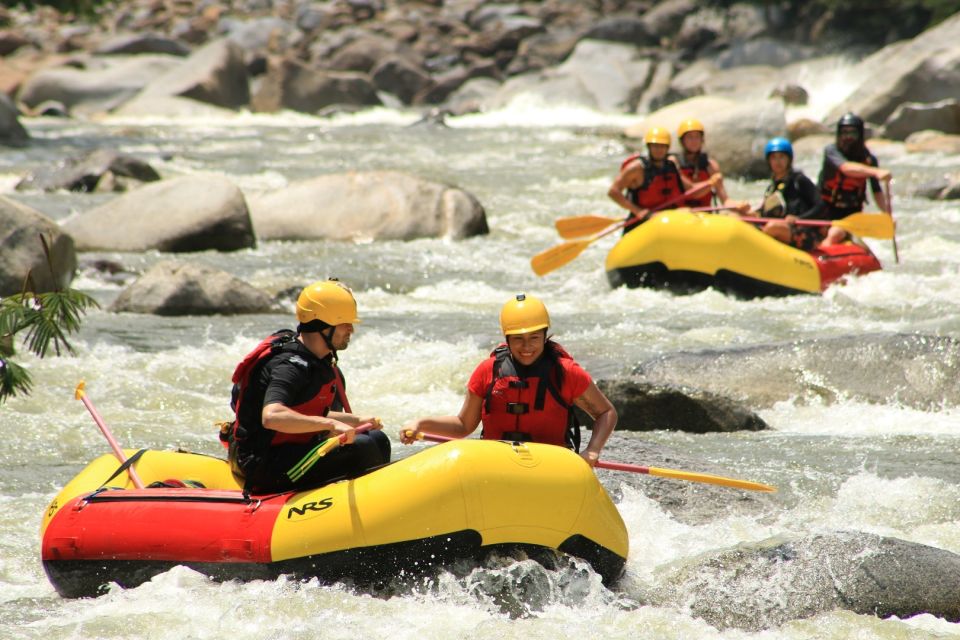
[
  {"x": 518, "y": 408},
  {"x": 518, "y": 384}
]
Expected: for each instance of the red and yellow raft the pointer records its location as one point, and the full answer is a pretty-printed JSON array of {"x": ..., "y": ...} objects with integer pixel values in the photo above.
[
  {"x": 452, "y": 500},
  {"x": 690, "y": 251}
]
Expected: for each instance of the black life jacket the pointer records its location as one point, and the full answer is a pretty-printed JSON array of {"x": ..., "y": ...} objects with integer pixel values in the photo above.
[{"x": 250, "y": 366}]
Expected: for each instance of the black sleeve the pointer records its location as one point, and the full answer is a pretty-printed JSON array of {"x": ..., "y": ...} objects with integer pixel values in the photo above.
[
  {"x": 287, "y": 378},
  {"x": 811, "y": 203},
  {"x": 874, "y": 183}
]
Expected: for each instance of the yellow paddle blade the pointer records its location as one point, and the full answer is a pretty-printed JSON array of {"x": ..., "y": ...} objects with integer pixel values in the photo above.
[
  {"x": 555, "y": 257},
  {"x": 710, "y": 479},
  {"x": 868, "y": 225},
  {"x": 579, "y": 226}
]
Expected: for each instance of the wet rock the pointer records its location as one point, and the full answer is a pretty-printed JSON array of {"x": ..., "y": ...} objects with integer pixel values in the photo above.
[
  {"x": 805, "y": 127},
  {"x": 171, "y": 288},
  {"x": 215, "y": 74},
  {"x": 914, "y": 370},
  {"x": 191, "y": 213},
  {"x": 667, "y": 17},
  {"x": 911, "y": 117},
  {"x": 542, "y": 50},
  {"x": 402, "y": 78},
  {"x": 933, "y": 142},
  {"x": 290, "y": 84},
  {"x": 791, "y": 94},
  {"x": 619, "y": 28},
  {"x": 764, "y": 52},
  {"x": 923, "y": 69},
  {"x": 693, "y": 503},
  {"x": 599, "y": 75},
  {"x": 21, "y": 250},
  {"x": 12, "y": 133},
  {"x": 763, "y": 586},
  {"x": 360, "y": 54},
  {"x": 103, "y": 83},
  {"x": 375, "y": 205},
  {"x": 10, "y": 41},
  {"x": 85, "y": 173},
  {"x": 642, "y": 406}
]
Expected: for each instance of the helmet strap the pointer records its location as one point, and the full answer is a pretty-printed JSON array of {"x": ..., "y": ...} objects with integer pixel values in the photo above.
[{"x": 328, "y": 340}]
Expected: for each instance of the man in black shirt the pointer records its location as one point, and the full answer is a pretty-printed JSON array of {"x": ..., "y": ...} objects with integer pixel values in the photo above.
[
  {"x": 290, "y": 397},
  {"x": 847, "y": 168}
]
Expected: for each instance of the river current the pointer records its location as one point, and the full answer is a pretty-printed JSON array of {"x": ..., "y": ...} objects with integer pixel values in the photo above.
[{"x": 841, "y": 460}]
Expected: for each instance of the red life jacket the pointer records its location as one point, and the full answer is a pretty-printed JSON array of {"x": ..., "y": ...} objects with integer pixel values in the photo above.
[
  {"x": 660, "y": 184},
  {"x": 319, "y": 405},
  {"x": 531, "y": 408},
  {"x": 697, "y": 172},
  {"x": 841, "y": 191}
]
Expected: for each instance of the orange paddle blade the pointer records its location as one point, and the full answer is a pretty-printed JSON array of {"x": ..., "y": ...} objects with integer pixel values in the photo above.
[
  {"x": 555, "y": 257},
  {"x": 579, "y": 226}
]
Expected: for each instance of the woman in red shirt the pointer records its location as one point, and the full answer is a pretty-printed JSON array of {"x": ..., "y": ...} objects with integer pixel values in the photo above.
[{"x": 525, "y": 391}]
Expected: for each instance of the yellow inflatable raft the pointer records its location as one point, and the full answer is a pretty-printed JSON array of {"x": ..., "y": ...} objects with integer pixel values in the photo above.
[
  {"x": 453, "y": 500},
  {"x": 689, "y": 251}
]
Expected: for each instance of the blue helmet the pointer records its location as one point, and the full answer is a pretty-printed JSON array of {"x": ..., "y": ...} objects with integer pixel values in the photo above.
[{"x": 778, "y": 144}]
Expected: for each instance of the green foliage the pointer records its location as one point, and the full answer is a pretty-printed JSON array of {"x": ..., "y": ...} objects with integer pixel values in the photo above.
[
  {"x": 875, "y": 21},
  {"x": 45, "y": 319}
]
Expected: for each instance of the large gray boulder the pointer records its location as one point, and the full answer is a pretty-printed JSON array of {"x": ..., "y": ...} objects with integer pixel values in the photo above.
[
  {"x": 923, "y": 69},
  {"x": 913, "y": 117},
  {"x": 766, "y": 585},
  {"x": 21, "y": 250},
  {"x": 379, "y": 205},
  {"x": 104, "y": 83},
  {"x": 736, "y": 131},
  {"x": 920, "y": 371},
  {"x": 601, "y": 75},
  {"x": 191, "y": 213},
  {"x": 171, "y": 288},
  {"x": 290, "y": 84},
  {"x": 215, "y": 74}
]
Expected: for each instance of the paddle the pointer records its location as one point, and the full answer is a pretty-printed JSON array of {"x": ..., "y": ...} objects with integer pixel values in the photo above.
[
  {"x": 579, "y": 226},
  {"x": 301, "y": 468},
  {"x": 688, "y": 475},
  {"x": 555, "y": 257},
  {"x": 674, "y": 474},
  {"x": 893, "y": 235},
  {"x": 80, "y": 394},
  {"x": 867, "y": 225}
]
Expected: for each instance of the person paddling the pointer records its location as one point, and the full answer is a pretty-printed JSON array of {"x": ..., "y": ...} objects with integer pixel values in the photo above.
[
  {"x": 696, "y": 166},
  {"x": 647, "y": 182},
  {"x": 847, "y": 168},
  {"x": 790, "y": 196},
  {"x": 526, "y": 390},
  {"x": 289, "y": 397}
]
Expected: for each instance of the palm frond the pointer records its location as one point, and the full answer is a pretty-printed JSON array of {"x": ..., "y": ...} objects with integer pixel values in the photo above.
[{"x": 14, "y": 380}]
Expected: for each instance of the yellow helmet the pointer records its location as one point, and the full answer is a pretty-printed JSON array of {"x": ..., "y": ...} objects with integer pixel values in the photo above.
[
  {"x": 328, "y": 301},
  {"x": 523, "y": 314},
  {"x": 657, "y": 135},
  {"x": 688, "y": 125}
]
